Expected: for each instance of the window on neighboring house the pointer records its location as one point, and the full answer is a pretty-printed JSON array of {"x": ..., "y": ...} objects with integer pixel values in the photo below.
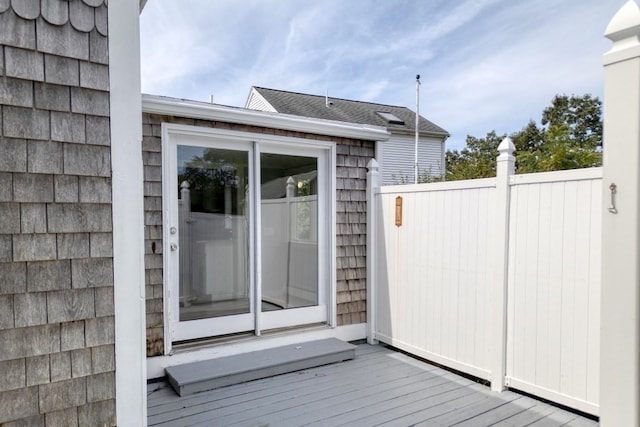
[{"x": 391, "y": 118}]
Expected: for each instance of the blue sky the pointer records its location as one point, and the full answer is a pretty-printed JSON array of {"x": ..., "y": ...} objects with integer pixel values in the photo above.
[{"x": 484, "y": 64}]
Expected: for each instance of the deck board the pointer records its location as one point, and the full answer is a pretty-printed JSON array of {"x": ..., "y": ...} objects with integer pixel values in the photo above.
[
  {"x": 379, "y": 387},
  {"x": 330, "y": 401},
  {"x": 310, "y": 381},
  {"x": 161, "y": 399},
  {"x": 534, "y": 413},
  {"x": 394, "y": 408},
  {"x": 282, "y": 397}
]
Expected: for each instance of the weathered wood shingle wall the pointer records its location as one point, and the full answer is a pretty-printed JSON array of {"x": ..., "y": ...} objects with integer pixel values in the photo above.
[
  {"x": 152, "y": 161},
  {"x": 56, "y": 281},
  {"x": 352, "y": 157},
  {"x": 351, "y": 240}
]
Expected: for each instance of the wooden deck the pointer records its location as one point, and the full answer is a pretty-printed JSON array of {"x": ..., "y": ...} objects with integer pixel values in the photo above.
[{"x": 379, "y": 387}]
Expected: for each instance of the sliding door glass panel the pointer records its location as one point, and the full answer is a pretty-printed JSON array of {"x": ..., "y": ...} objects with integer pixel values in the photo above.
[
  {"x": 213, "y": 216},
  {"x": 289, "y": 229}
]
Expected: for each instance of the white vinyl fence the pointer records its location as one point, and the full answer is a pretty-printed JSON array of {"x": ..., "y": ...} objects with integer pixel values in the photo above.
[
  {"x": 434, "y": 272},
  {"x": 440, "y": 277},
  {"x": 553, "y": 347}
]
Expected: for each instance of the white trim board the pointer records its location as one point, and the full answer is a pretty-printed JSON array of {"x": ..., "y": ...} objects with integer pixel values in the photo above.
[
  {"x": 156, "y": 365},
  {"x": 128, "y": 219},
  {"x": 202, "y": 110}
]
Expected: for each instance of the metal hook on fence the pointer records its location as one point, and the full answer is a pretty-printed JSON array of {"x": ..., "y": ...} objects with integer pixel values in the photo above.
[{"x": 613, "y": 188}]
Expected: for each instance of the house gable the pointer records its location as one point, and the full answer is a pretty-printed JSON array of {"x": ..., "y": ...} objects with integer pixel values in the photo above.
[{"x": 257, "y": 102}]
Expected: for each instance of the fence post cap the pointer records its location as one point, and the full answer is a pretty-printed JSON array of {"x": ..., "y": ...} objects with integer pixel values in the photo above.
[
  {"x": 372, "y": 165},
  {"x": 506, "y": 146},
  {"x": 625, "y": 23}
]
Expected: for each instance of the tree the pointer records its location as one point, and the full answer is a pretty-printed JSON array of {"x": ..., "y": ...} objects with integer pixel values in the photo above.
[
  {"x": 560, "y": 151},
  {"x": 476, "y": 160},
  {"x": 582, "y": 116},
  {"x": 211, "y": 176},
  {"x": 569, "y": 137}
]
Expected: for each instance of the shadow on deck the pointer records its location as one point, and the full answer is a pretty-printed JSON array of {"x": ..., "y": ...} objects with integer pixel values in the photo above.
[{"x": 379, "y": 387}]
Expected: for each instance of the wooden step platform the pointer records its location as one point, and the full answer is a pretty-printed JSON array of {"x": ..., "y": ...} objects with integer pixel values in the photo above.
[{"x": 209, "y": 374}]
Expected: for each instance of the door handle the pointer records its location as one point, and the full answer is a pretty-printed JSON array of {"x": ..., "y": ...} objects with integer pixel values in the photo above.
[{"x": 613, "y": 188}]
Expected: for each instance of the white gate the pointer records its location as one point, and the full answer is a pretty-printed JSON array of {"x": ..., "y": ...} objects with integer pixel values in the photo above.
[
  {"x": 434, "y": 271},
  {"x": 553, "y": 347}
]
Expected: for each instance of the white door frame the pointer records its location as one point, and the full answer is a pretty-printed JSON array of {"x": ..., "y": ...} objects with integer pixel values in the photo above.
[
  {"x": 303, "y": 315},
  {"x": 171, "y": 134},
  {"x": 202, "y": 327}
]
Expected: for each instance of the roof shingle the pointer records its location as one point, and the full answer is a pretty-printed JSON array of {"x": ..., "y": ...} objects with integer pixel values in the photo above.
[{"x": 346, "y": 110}]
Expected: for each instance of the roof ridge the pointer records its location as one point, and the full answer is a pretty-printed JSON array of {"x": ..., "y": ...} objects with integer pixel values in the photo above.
[{"x": 333, "y": 98}]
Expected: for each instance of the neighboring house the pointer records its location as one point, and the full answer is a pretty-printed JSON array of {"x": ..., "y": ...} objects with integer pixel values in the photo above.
[{"x": 396, "y": 156}]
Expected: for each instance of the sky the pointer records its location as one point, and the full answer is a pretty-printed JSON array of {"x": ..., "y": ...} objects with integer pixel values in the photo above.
[{"x": 484, "y": 64}]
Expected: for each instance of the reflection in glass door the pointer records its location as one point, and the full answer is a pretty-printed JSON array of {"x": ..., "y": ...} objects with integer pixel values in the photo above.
[
  {"x": 213, "y": 215},
  {"x": 289, "y": 230}
]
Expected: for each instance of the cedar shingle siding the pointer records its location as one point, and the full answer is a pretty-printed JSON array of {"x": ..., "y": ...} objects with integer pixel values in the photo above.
[
  {"x": 352, "y": 158},
  {"x": 57, "y": 359},
  {"x": 351, "y": 229}
]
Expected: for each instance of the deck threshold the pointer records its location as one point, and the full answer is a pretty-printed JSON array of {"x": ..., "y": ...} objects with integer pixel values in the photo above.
[{"x": 210, "y": 374}]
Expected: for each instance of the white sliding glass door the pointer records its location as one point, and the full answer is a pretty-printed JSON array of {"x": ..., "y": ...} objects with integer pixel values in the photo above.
[
  {"x": 246, "y": 239},
  {"x": 292, "y": 236}
]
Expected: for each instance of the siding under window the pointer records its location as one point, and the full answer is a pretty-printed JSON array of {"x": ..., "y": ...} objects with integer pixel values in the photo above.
[{"x": 397, "y": 160}]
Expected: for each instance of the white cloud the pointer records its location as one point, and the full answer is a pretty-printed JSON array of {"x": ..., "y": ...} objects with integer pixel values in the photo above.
[
  {"x": 534, "y": 53},
  {"x": 485, "y": 64}
]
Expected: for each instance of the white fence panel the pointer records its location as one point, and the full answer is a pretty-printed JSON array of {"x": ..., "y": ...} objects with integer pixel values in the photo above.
[
  {"x": 434, "y": 272},
  {"x": 554, "y": 286},
  {"x": 436, "y": 280}
]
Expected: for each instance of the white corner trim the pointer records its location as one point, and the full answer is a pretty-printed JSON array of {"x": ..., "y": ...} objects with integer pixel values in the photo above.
[
  {"x": 157, "y": 365},
  {"x": 128, "y": 220},
  {"x": 202, "y": 110}
]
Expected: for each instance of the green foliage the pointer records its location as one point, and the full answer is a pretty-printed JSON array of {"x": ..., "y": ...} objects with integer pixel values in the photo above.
[
  {"x": 210, "y": 175},
  {"x": 559, "y": 152},
  {"x": 476, "y": 160},
  {"x": 424, "y": 177},
  {"x": 427, "y": 176},
  {"x": 582, "y": 116},
  {"x": 569, "y": 137}
]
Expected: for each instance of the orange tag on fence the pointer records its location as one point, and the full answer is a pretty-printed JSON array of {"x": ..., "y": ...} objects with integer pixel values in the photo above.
[{"x": 398, "y": 211}]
